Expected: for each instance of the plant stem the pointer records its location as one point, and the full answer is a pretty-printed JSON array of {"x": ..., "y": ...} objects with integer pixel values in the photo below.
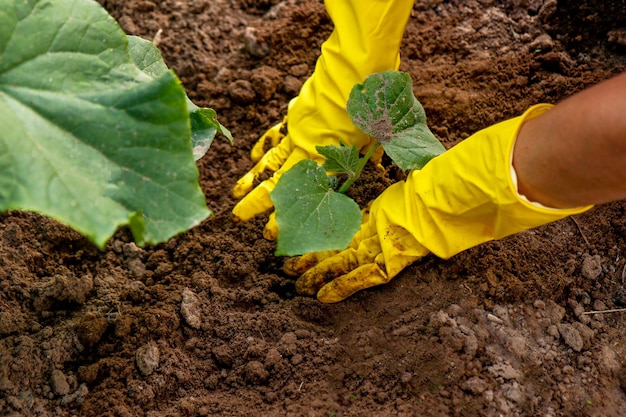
[{"x": 362, "y": 162}]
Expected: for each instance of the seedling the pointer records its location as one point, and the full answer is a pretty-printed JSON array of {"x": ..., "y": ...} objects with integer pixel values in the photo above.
[
  {"x": 312, "y": 211},
  {"x": 96, "y": 131}
]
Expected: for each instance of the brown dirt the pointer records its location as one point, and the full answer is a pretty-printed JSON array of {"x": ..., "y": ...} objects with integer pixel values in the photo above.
[{"x": 206, "y": 324}]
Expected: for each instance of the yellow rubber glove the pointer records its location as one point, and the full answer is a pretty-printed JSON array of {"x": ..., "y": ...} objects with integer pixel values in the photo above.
[
  {"x": 366, "y": 39},
  {"x": 460, "y": 199}
]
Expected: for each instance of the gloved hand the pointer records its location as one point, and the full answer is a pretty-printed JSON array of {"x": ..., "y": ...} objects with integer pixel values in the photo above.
[
  {"x": 460, "y": 199},
  {"x": 366, "y": 39}
]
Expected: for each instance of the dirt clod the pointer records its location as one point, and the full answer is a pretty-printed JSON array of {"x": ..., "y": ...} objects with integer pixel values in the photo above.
[
  {"x": 58, "y": 383},
  {"x": 571, "y": 336},
  {"x": 147, "y": 359},
  {"x": 242, "y": 92},
  {"x": 256, "y": 373},
  {"x": 190, "y": 309},
  {"x": 91, "y": 329}
]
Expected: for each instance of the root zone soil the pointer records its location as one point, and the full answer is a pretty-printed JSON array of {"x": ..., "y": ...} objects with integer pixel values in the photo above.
[{"x": 206, "y": 324}]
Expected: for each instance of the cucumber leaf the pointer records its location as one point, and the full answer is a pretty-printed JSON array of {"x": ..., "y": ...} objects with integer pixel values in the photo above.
[
  {"x": 87, "y": 137},
  {"x": 340, "y": 159},
  {"x": 311, "y": 216},
  {"x": 385, "y": 108}
]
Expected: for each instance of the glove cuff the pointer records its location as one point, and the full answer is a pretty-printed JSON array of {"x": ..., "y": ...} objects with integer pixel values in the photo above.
[{"x": 467, "y": 196}]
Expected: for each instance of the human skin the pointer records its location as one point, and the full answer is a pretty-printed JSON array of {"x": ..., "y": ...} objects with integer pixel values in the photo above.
[{"x": 575, "y": 154}]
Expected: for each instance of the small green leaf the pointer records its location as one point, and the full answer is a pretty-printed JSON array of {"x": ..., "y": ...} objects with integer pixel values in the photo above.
[
  {"x": 87, "y": 137},
  {"x": 204, "y": 124},
  {"x": 311, "y": 216},
  {"x": 413, "y": 148},
  {"x": 340, "y": 159},
  {"x": 385, "y": 108}
]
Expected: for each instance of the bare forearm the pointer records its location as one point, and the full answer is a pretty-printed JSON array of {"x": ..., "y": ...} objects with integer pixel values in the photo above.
[{"x": 575, "y": 154}]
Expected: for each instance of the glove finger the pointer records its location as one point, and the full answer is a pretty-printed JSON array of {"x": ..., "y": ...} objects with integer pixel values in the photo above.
[
  {"x": 270, "y": 232},
  {"x": 271, "y": 161},
  {"x": 318, "y": 268},
  {"x": 294, "y": 267},
  {"x": 363, "y": 277},
  {"x": 258, "y": 200},
  {"x": 325, "y": 271},
  {"x": 245, "y": 184},
  {"x": 274, "y": 134},
  {"x": 330, "y": 264}
]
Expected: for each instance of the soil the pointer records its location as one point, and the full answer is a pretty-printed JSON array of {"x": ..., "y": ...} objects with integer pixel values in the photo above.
[{"x": 207, "y": 324}]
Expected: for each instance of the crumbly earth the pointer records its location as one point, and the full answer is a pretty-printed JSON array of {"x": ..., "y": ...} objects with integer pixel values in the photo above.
[{"x": 206, "y": 324}]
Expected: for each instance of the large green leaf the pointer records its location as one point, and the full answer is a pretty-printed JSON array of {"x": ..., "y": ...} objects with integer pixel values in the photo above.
[
  {"x": 311, "y": 216},
  {"x": 385, "y": 108},
  {"x": 87, "y": 137}
]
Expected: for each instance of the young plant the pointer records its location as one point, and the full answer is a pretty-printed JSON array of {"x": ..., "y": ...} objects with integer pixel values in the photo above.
[
  {"x": 96, "y": 131},
  {"x": 312, "y": 212}
]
